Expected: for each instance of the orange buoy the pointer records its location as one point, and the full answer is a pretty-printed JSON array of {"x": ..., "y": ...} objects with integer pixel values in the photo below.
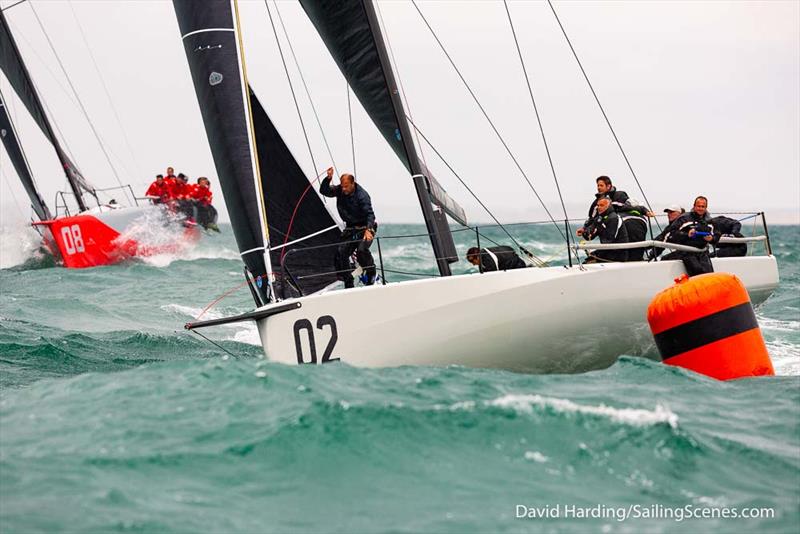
[{"x": 706, "y": 324}]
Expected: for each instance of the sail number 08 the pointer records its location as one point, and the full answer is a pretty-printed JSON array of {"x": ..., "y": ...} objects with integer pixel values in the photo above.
[
  {"x": 305, "y": 325},
  {"x": 73, "y": 240}
]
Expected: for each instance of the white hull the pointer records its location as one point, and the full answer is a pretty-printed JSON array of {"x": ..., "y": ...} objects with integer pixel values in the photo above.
[{"x": 547, "y": 320}]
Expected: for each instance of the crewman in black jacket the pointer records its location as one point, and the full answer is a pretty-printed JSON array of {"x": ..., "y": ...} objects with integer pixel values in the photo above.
[
  {"x": 694, "y": 229},
  {"x": 725, "y": 226},
  {"x": 608, "y": 226},
  {"x": 355, "y": 209},
  {"x": 619, "y": 199},
  {"x": 499, "y": 258}
]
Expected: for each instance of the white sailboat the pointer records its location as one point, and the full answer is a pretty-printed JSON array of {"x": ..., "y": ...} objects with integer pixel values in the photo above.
[{"x": 569, "y": 318}]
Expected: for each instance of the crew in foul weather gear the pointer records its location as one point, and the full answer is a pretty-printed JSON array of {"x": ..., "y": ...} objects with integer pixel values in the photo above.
[
  {"x": 355, "y": 208},
  {"x": 725, "y": 226},
  {"x": 159, "y": 191},
  {"x": 500, "y": 258},
  {"x": 608, "y": 226},
  {"x": 694, "y": 229}
]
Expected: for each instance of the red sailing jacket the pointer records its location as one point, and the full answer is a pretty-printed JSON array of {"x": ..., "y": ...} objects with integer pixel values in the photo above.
[
  {"x": 155, "y": 190},
  {"x": 201, "y": 194}
]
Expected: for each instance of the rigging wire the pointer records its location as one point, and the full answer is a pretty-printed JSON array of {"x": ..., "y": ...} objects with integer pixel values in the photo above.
[
  {"x": 291, "y": 86},
  {"x": 486, "y": 115},
  {"x": 105, "y": 90},
  {"x": 352, "y": 133},
  {"x": 538, "y": 117},
  {"x": 220, "y": 347},
  {"x": 78, "y": 98},
  {"x": 305, "y": 86},
  {"x": 602, "y": 110},
  {"x": 11, "y": 190},
  {"x": 471, "y": 192},
  {"x": 44, "y": 104},
  {"x": 397, "y": 75},
  {"x": 13, "y": 5}
]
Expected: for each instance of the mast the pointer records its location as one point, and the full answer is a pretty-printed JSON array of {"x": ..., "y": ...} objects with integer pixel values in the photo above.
[
  {"x": 437, "y": 226},
  {"x": 17, "y": 156},
  {"x": 211, "y": 39},
  {"x": 13, "y": 66},
  {"x": 353, "y": 37}
]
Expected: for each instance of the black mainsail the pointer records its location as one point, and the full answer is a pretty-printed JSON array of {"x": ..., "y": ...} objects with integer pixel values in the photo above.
[
  {"x": 15, "y": 70},
  {"x": 351, "y": 32},
  {"x": 17, "y": 157}
]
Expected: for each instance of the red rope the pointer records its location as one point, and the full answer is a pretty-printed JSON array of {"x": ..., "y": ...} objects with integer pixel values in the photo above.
[
  {"x": 283, "y": 251},
  {"x": 294, "y": 212}
]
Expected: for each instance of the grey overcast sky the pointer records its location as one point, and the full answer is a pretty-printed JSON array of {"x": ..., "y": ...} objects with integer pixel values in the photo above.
[{"x": 704, "y": 96}]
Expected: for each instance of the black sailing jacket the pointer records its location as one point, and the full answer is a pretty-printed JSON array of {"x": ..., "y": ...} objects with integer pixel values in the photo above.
[
  {"x": 505, "y": 256},
  {"x": 354, "y": 209}
]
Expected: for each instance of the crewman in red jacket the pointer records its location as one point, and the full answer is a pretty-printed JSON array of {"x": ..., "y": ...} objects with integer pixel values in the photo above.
[
  {"x": 159, "y": 191},
  {"x": 202, "y": 196},
  {"x": 201, "y": 191}
]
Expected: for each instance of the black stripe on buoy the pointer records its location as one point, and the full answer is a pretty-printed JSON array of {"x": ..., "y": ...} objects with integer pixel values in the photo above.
[{"x": 705, "y": 330}]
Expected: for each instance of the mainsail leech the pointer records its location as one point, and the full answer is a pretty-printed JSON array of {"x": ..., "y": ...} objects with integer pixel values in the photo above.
[
  {"x": 14, "y": 68},
  {"x": 352, "y": 34}
]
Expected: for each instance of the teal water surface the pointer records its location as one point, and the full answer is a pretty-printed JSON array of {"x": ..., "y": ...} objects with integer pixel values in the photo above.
[{"x": 112, "y": 418}]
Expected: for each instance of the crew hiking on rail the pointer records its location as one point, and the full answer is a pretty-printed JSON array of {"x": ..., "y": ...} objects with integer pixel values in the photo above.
[{"x": 192, "y": 200}]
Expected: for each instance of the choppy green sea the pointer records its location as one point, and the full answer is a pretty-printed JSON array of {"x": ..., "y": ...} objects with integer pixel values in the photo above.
[{"x": 112, "y": 418}]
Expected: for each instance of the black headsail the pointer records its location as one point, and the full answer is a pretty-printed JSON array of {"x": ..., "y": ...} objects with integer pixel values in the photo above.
[
  {"x": 211, "y": 39},
  {"x": 353, "y": 36},
  {"x": 300, "y": 227},
  {"x": 17, "y": 157},
  {"x": 14, "y": 68}
]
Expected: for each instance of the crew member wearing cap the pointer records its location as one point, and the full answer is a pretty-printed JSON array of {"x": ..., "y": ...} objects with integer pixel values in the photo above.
[{"x": 673, "y": 211}]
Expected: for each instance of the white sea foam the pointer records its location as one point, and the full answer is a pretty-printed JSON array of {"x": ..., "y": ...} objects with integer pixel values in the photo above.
[
  {"x": 244, "y": 332},
  {"x": 18, "y": 243},
  {"x": 536, "y": 456},
  {"x": 777, "y": 325},
  {"x": 785, "y": 357},
  {"x": 628, "y": 416},
  {"x": 165, "y": 237}
]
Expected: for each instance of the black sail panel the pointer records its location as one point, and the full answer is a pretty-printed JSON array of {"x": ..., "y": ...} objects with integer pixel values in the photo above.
[
  {"x": 14, "y": 68},
  {"x": 17, "y": 74},
  {"x": 352, "y": 34},
  {"x": 15, "y": 154},
  {"x": 291, "y": 200},
  {"x": 212, "y": 49},
  {"x": 346, "y": 32}
]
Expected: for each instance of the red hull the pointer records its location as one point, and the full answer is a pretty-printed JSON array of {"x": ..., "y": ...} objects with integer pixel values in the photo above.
[{"x": 86, "y": 241}]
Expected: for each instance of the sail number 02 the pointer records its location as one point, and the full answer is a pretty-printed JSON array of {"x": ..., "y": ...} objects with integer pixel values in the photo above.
[
  {"x": 73, "y": 240},
  {"x": 305, "y": 325}
]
